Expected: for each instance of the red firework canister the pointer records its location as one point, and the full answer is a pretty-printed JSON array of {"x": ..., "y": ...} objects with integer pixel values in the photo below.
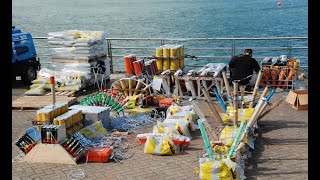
[
  {"x": 128, "y": 61},
  {"x": 139, "y": 67}
]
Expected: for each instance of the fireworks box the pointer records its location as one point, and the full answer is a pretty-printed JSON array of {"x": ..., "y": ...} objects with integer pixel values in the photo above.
[{"x": 92, "y": 114}]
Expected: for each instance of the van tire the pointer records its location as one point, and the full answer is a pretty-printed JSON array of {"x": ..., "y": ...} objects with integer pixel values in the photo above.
[{"x": 29, "y": 75}]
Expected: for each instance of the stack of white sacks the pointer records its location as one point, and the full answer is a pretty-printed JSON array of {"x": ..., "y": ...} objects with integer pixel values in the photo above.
[
  {"x": 75, "y": 44},
  {"x": 81, "y": 45}
]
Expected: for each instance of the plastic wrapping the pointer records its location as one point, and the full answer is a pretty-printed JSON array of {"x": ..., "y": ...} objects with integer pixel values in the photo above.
[
  {"x": 244, "y": 114},
  {"x": 75, "y": 44},
  {"x": 212, "y": 69},
  {"x": 160, "y": 145},
  {"x": 211, "y": 169}
]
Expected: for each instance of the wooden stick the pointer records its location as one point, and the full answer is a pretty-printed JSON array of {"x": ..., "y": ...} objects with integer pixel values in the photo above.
[
  {"x": 235, "y": 102},
  {"x": 270, "y": 109},
  {"x": 213, "y": 110},
  {"x": 256, "y": 87},
  {"x": 226, "y": 82},
  {"x": 253, "y": 116}
]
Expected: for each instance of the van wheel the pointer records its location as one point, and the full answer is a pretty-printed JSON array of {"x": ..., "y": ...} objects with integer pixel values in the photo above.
[{"x": 29, "y": 75}]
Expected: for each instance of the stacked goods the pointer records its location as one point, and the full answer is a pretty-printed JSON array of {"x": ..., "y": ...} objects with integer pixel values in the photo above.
[
  {"x": 49, "y": 113},
  {"x": 68, "y": 77},
  {"x": 72, "y": 120},
  {"x": 170, "y": 56},
  {"x": 75, "y": 44},
  {"x": 169, "y": 136},
  {"x": 279, "y": 72}
]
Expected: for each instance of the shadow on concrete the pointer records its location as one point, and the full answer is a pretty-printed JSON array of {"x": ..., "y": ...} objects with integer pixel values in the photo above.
[{"x": 252, "y": 168}]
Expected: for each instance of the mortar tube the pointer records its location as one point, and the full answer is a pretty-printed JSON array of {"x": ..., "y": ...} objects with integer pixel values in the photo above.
[
  {"x": 264, "y": 92},
  {"x": 256, "y": 87},
  {"x": 266, "y": 102},
  {"x": 110, "y": 101},
  {"x": 235, "y": 102},
  {"x": 226, "y": 82},
  {"x": 220, "y": 100},
  {"x": 236, "y": 139},
  {"x": 104, "y": 98},
  {"x": 254, "y": 115},
  {"x": 107, "y": 100},
  {"x": 205, "y": 138}
]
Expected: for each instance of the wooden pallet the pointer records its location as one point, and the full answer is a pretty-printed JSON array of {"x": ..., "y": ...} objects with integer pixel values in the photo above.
[
  {"x": 37, "y": 102},
  {"x": 63, "y": 93},
  {"x": 77, "y": 60}
]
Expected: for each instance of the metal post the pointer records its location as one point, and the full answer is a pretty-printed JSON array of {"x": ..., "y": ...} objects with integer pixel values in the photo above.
[{"x": 53, "y": 90}]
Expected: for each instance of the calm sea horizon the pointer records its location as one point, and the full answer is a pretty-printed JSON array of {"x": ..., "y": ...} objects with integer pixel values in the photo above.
[{"x": 164, "y": 18}]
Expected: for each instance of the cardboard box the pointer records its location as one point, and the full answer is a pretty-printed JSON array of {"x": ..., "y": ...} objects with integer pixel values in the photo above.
[{"x": 298, "y": 99}]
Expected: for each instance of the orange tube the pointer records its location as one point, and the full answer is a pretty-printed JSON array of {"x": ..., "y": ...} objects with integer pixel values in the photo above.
[
  {"x": 137, "y": 68},
  {"x": 281, "y": 76},
  {"x": 128, "y": 60},
  {"x": 291, "y": 74},
  {"x": 266, "y": 74},
  {"x": 274, "y": 76}
]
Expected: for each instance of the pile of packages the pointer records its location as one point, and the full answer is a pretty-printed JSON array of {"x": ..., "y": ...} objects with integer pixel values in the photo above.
[
  {"x": 65, "y": 80},
  {"x": 75, "y": 44},
  {"x": 171, "y": 135}
]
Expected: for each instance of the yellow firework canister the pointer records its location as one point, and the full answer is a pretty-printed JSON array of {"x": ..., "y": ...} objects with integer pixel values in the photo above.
[
  {"x": 174, "y": 52},
  {"x": 159, "y": 51},
  {"x": 166, "y": 64},
  {"x": 166, "y": 51},
  {"x": 181, "y": 62},
  {"x": 39, "y": 116},
  {"x": 174, "y": 64},
  {"x": 159, "y": 64}
]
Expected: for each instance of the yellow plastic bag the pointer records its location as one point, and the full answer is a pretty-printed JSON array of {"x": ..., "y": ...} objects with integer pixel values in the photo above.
[
  {"x": 160, "y": 145},
  {"x": 211, "y": 169}
]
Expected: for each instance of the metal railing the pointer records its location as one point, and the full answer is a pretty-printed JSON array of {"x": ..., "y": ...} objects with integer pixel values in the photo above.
[{"x": 199, "y": 51}]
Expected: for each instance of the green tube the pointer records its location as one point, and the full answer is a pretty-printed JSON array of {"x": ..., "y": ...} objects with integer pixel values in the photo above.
[
  {"x": 107, "y": 100},
  {"x": 236, "y": 140},
  {"x": 118, "y": 98},
  {"x": 119, "y": 105},
  {"x": 104, "y": 98},
  {"x": 119, "y": 110},
  {"x": 111, "y": 101},
  {"x": 205, "y": 138}
]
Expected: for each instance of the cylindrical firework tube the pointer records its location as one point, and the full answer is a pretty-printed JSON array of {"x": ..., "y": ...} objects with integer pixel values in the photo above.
[
  {"x": 227, "y": 86},
  {"x": 205, "y": 138},
  {"x": 266, "y": 102},
  {"x": 256, "y": 86},
  {"x": 235, "y": 101},
  {"x": 220, "y": 100},
  {"x": 236, "y": 139},
  {"x": 254, "y": 115}
]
